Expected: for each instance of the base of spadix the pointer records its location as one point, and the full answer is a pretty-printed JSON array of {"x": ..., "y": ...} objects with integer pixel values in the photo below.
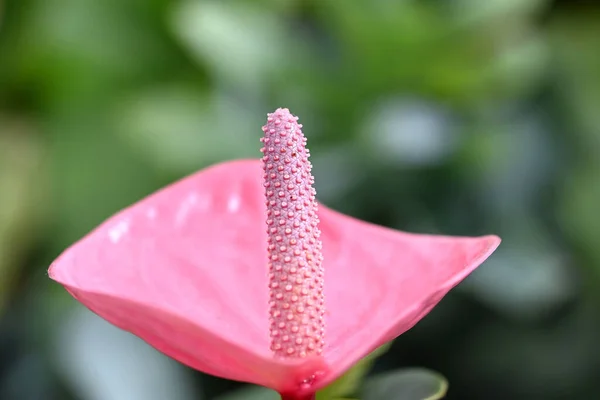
[{"x": 309, "y": 375}]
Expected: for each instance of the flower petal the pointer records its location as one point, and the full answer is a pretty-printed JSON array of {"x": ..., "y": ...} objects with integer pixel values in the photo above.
[
  {"x": 185, "y": 269},
  {"x": 380, "y": 282}
]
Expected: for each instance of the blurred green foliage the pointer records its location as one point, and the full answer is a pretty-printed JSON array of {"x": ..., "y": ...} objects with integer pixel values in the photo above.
[
  {"x": 405, "y": 384},
  {"x": 351, "y": 382},
  {"x": 453, "y": 116}
]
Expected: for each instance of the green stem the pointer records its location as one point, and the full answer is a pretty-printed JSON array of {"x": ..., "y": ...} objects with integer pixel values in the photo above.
[{"x": 310, "y": 396}]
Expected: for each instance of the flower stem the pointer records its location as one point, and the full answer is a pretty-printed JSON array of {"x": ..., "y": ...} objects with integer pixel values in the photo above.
[{"x": 311, "y": 396}]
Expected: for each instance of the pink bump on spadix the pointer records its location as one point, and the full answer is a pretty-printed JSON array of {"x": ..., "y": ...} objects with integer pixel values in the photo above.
[{"x": 190, "y": 269}]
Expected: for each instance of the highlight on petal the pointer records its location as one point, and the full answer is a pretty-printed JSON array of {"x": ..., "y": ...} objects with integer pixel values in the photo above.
[{"x": 185, "y": 269}]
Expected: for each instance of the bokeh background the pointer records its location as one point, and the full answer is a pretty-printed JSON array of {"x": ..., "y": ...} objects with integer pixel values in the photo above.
[{"x": 441, "y": 116}]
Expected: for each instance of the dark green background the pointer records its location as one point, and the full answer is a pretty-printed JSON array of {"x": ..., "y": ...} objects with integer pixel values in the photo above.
[{"x": 448, "y": 116}]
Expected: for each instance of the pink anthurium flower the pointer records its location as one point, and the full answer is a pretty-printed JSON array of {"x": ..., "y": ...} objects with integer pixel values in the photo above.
[{"x": 291, "y": 304}]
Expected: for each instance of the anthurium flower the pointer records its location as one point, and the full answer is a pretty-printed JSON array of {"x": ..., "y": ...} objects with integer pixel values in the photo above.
[{"x": 238, "y": 272}]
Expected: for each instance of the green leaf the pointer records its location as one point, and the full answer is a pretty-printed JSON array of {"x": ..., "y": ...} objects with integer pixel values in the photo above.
[
  {"x": 406, "y": 384},
  {"x": 349, "y": 383},
  {"x": 251, "y": 392}
]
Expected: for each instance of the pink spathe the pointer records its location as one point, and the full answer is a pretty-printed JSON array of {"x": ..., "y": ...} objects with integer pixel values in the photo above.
[{"x": 185, "y": 269}]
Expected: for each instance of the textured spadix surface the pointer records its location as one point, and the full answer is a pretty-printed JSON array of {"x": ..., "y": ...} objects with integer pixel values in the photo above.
[
  {"x": 296, "y": 275},
  {"x": 186, "y": 270}
]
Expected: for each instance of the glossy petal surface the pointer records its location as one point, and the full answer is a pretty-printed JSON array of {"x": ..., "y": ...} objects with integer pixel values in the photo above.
[{"x": 185, "y": 270}]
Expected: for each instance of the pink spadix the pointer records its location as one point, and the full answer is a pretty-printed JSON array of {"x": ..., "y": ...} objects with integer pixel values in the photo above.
[
  {"x": 291, "y": 304},
  {"x": 296, "y": 273}
]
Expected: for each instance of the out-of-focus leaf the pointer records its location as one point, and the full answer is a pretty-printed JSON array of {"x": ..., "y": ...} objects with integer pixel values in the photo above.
[
  {"x": 458, "y": 64},
  {"x": 1, "y": 12},
  {"x": 511, "y": 164},
  {"x": 575, "y": 37},
  {"x": 238, "y": 41},
  {"x": 349, "y": 383},
  {"x": 182, "y": 130},
  {"x": 410, "y": 132},
  {"x": 102, "y": 362},
  {"x": 519, "y": 66},
  {"x": 405, "y": 384},
  {"x": 95, "y": 175},
  {"x": 22, "y": 200},
  {"x": 526, "y": 280},
  {"x": 250, "y": 393},
  {"x": 579, "y": 208},
  {"x": 74, "y": 48},
  {"x": 484, "y": 11}
]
